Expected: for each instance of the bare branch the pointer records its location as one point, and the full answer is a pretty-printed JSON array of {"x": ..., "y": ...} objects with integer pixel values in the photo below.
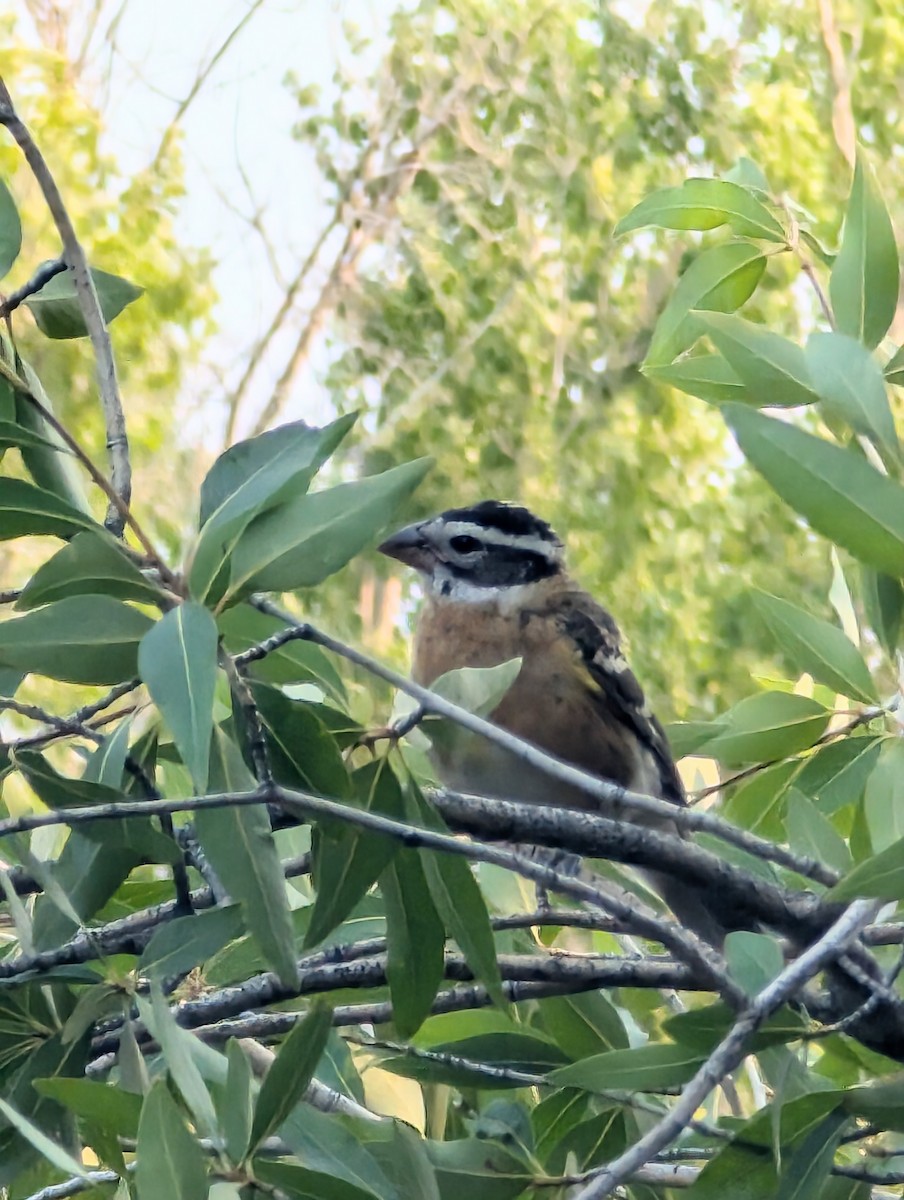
[
  {"x": 117, "y": 440},
  {"x": 44, "y": 274},
  {"x": 730, "y": 1052}
]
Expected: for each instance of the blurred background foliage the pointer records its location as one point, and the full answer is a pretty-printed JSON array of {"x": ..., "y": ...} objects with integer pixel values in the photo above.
[{"x": 468, "y": 293}]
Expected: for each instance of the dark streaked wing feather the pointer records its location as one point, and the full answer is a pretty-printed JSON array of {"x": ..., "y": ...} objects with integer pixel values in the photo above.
[{"x": 596, "y": 636}]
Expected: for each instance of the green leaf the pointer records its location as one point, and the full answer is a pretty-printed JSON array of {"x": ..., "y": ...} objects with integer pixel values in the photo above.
[
  {"x": 48, "y": 1148},
  {"x": 102, "y": 1103},
  {"x": 185, "y": 942},
  {"x": 290, "y": 1073},
  {"x": 806, "y": 1169},
  {"x": 705, "y": 204},
  {"x": 772, "y": 369},
  {"x": 864, "y": 282},
  {"x": 61, "y": 791},
  {"x": 817, "y": 647},
  {"x": 303, "y": 541},
  {"x": 177, "y": 660},
  {"x": 51, "y": 470},
  {"x": 350, "y": 859},
  {"x": 415, "y": 940},
  {"x": 91, "y": 564},
  {"x": 881, "y": 876},
  {"x": 719, "y": 279},
  {"x": 836, "y": 774},
  {"x": 749, "y": 175},
  {"x": 301, "y": 1183},
  {"x": 237, "y": 1102},
  {"x": 708, "y": 376},
  {"x": 655, "y": 1066},
  {"x": 295, "y": 662},
  {"x": 585, "y": 1024},
  {"x": 303, "y": 752},
  {"x": 255, "y": 472},
  {"x": 56, "y": 309},
  {"x": 177, "y": 1045},
  {"x": 767, "y": 726},
  {"x": 10, "y": 230},
  {"x": 754, "y": 959},
  {"x": 851, "y": 386},
  {"x": 758, "y": 804},
  {"x": 478, "y": 1169},
  {"x": 26, "y": 509},
  {"x": 688, "y": 737},
  {"x": 516, "y": 1051},
  {"x": 248, "y": 480},
  {"x": 458, "y": 901},
  {"x": 894, "y": 368},
  {"x": 240, "y": 846},
  {"x": 170, "y": 1165},
  {"x": 83, "y": 639},
  {"x": 835, "y": 489},
  {"x": 883, "y": 803},
  {"x": 883, "y": 599},
  {"x": 810, "y": 833},
  {"x": 477, "y": 689},
  {"x": 325, "y": 1144},
  {"x": 13, "y": 434}
]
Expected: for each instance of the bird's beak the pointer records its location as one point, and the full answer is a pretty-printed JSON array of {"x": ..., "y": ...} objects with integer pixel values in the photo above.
[{"x": 410, "y": 547}]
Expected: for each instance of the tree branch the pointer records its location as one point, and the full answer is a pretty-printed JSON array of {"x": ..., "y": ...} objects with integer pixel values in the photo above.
[
  {"x": 730, "y": 1052},
  {"x": 86, "y": 293}
]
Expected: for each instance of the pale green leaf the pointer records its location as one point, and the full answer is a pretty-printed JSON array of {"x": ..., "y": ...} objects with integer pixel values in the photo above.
[
  {"x": 773, "y": 369},
  {"x": 708, "y": 376},
  {"x": 754, "y": 959},
  {"x": 92, "y": 563},
  {"x": 170, "y": 1165},
  {"x": 838, "y": 492},
  {"x": 767, "y": 726},
  {"x": 659, "y": 1065},
  {"x": 850, "y": 385},
  {"x": 45, "y": 1146},
  {"x": 10, "y": 230},
  {"x": 818, "y": 647}
]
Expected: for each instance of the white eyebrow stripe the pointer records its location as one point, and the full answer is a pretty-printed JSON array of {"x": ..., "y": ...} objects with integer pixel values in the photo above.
[{"x": 532, "y": 543}]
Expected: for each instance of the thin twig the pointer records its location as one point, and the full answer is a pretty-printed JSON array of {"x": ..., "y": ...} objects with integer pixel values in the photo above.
[
  {"x": 730, "y": 1052},
  {"x": 86, "y": 293},
  {"x": 44, "y": 274}
]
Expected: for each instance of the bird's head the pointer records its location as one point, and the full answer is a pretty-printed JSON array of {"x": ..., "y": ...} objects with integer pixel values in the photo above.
[{"x": 478, "y": 553}]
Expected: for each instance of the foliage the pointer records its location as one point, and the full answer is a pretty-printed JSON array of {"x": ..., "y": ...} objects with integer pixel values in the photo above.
[
  {"x": 496, "y": 323},
  {"x": 233, "y": 850}
]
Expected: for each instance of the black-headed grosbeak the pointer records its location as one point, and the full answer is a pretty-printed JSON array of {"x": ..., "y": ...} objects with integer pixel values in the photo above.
[{"x": 496, "y": 589}]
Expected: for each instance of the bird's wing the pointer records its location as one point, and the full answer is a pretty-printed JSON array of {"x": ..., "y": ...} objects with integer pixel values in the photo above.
[{"x": 620, "y": 697}]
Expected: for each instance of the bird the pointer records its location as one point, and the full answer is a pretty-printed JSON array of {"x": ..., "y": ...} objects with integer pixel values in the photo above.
[{"x": 497, "y": 588}]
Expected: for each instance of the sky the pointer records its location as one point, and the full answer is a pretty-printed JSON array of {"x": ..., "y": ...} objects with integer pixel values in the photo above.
[{"x": 235, "y": 134}]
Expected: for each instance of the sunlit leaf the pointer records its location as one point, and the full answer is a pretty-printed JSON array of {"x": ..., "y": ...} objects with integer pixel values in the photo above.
[
  {"x": 58, "y": 313},
  {"x": 177, "y": 660},
  {"x": 719, "y": 279},
  {"x": 705, "y": 204},
  {"x": 839, "y": 493},
  {"x": 864, "y": 282}
]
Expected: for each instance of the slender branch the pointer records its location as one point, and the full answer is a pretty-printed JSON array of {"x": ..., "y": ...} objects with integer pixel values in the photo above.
[
  {"x": 614, "y": 799},
  {"x": 44, "y": 274},
  {"x": 86, "y": 293},
  {"x": 730, "y": 1052}
]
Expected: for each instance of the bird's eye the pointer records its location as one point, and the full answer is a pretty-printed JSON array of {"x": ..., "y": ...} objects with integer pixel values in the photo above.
[{"x": 463, "y": 543}]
